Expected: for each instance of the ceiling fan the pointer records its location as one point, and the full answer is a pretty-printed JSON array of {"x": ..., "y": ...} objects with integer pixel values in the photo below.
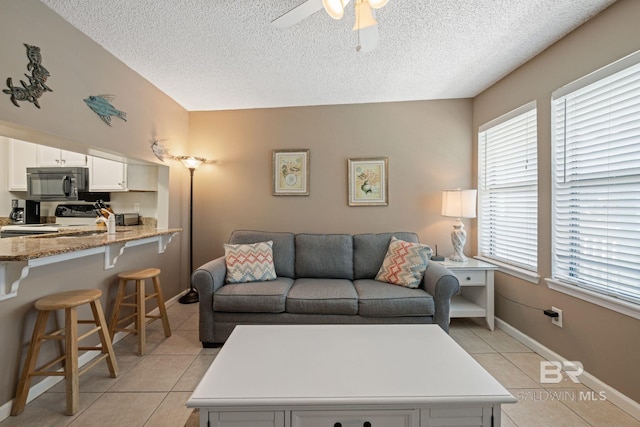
[{"x": 366, "y": 24}]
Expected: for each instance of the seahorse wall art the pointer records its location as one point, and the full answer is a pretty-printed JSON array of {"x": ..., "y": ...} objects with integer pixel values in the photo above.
[{"x": 37, "y": 80}]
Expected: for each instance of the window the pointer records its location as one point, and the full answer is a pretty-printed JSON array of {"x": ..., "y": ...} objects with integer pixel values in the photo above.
[
  {"x": 596, "y": 182},
  {"x": 508, "y": 189}
]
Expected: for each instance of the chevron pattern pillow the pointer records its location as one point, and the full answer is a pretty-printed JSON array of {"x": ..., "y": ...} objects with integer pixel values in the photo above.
[
  {"x": 404, "y": 264},
  {"x": 249, "y": 263}
]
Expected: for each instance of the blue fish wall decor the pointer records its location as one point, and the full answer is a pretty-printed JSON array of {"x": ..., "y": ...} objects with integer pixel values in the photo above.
[{"x": 101, "y": 105}]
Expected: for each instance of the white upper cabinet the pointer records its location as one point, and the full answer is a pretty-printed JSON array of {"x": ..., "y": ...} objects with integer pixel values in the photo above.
[
  {"x": 22, "y": 155},
  {"x": 111, "y": 175},
  {"x": 48, "y": 156},
  {"x": 104, "y": 175}
]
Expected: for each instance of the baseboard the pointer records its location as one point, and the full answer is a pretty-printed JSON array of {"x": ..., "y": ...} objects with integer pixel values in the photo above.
[
  {"x": 174, "y": 300},
  {"x": 623, "y": 402},
  {"x": 48, "y": 382}
]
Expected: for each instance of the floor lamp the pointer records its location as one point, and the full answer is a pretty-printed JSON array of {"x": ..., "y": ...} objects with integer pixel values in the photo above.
[{"x": 192, "y": 164}]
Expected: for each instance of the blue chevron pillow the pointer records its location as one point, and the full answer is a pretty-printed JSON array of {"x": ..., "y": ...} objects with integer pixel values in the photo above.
[{"x": 249, "y": 263}]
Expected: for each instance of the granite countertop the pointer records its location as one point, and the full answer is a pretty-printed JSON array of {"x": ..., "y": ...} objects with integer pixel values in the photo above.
[{"x": 73, "y": 239}]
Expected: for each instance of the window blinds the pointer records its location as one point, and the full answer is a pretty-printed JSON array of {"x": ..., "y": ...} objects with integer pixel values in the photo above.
[
  {"x": 508, "y": 188},
  {"x": 596, "y": 184}
]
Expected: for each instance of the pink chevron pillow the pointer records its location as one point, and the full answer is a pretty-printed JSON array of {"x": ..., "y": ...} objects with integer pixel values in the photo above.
[
  {"x": 404, "y": 264},
  {"x": 249, "y": 263}
]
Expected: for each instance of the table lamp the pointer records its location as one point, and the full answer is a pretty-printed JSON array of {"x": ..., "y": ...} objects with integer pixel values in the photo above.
[{"x": 459, "y": 204}]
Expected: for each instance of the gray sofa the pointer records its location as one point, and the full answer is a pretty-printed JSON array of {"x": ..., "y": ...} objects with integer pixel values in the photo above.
[{"x": 321, "y": 279}]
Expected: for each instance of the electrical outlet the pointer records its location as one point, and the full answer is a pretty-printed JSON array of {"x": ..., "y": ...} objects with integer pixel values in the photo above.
[
  {"x": 557, "y": 320},
  {"x": 136, "y": 207}
]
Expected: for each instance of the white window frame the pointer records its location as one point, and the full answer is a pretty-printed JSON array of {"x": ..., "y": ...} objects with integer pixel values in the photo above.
[
  {"x": 558, "y": 282},
  {"x": 509, "y": 266}
]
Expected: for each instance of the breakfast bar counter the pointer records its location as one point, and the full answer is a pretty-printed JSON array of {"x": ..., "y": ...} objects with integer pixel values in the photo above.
[
  {"x": 74, "y": 239},
  {"x": 19, "y": 254}
]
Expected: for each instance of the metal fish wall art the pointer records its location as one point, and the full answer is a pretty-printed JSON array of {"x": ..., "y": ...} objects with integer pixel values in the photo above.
[
  {"x": 36, "y": 87},
  {"x": 101, "y": 105},
  {"x": 160, "y": 150}
]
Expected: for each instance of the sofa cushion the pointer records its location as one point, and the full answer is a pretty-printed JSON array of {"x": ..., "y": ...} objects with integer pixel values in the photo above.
[
  {"x": 252, "y": 262},
  {"x": 405, "y": 263},
  {"x": 379, "y": 299},
  {"x": 283, "y": 247},
  {"x": 328, "y": 256},
  {"x": 369, "y": 251},
  {"x": 322, "y": 296},
  {"x": 254, "y": 297}
]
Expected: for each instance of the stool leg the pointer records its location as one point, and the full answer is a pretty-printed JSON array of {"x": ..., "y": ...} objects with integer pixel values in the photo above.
[
  {"x": 161, "y": 307},
  {"x": 122, "y": 284},
  {"x": 141, "y": 317},
  {"x": 24, "y": 384},
  {"x": 105, "y": 338},
  {"x": 71, "y": 360}
]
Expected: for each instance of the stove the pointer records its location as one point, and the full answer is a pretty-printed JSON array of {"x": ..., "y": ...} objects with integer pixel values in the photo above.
[{"x": 67, "y": 215}]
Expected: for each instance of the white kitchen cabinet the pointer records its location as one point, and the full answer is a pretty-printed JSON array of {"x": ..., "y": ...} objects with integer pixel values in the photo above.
[
  {"x": 22, "y": 155},
  {"x": 106, "y": 175},
  {"x": 49, "y": 156},
  {"x": 111, "y": 175}
]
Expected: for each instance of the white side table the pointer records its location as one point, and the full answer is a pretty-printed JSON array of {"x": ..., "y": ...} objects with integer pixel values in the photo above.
[{"x": 475, "y": 298}]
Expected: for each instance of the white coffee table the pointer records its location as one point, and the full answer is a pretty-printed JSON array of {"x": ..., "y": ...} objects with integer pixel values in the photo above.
[{"x": 344, "y": 376}]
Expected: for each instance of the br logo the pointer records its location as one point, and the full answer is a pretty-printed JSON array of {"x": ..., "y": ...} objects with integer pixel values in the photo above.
[{"x": 551, "y": 371}]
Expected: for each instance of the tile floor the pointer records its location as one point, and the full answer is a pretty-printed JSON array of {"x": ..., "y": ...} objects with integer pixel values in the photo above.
[
  {"x": 517, "y": 368},
  {"x": 152, "y": 390}
]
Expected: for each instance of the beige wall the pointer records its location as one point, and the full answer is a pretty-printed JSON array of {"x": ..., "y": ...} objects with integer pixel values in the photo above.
[
  {"x": 604, "y": 341},
  {"x": 427, "y": 143},
  {"x": 80, "y": 67}
]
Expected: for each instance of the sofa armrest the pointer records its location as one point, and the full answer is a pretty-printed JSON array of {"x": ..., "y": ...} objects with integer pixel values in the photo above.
[
  {"x": 207, "y": 279},
  {"x": 442, "y": 284}
]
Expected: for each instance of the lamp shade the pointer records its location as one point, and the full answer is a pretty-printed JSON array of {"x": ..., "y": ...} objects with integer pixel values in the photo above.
[
  {"x": 459, "y": 203},
  {"x": 191, "y": 162},
  {"x": 377, "y": 4},
  {"x": 364, "y": 16},
  {"x": 335, "y": 8}
]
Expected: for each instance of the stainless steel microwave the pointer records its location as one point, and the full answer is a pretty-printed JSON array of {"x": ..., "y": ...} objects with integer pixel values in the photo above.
[{"x": 56, "y": 183}]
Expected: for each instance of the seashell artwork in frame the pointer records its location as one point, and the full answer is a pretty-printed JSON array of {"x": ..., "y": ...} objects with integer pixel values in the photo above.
[
  {"x": 368, "y": 181},
  {"x": 290, "y": 173}
]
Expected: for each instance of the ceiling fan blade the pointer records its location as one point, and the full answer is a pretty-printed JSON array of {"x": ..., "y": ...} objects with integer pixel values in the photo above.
[
  {"x": 369, "y": 38},
  {"x": 298, "y": 13}
]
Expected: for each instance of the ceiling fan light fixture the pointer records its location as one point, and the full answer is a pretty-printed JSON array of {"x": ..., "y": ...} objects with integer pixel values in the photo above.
[
  {"x": 377, "y": 4},
  {"x": 364, "y": 15},
  {"x": 335, "y": 8}
]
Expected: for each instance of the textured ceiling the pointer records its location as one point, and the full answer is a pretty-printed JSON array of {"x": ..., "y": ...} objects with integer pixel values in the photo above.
[{"x": 225, "y": 54}]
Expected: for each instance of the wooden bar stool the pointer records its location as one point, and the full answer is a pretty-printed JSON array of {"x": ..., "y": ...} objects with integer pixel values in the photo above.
[
  {"x": 69, "y": 301},
  {"x": 139, "y": 310}
]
